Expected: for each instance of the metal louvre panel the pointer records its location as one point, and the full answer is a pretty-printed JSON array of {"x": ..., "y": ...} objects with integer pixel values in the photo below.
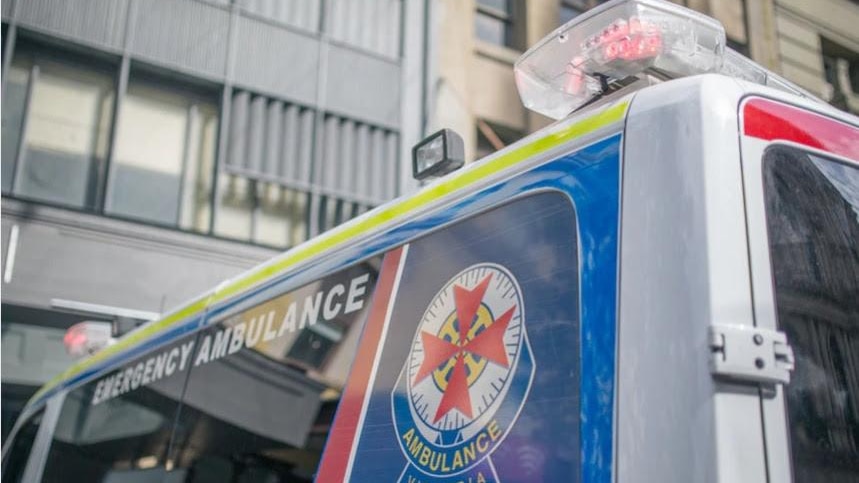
[
  {"x": 373, "y": 25},
  {"x": 391, "y": 164},
  {"x": 290, "y": 134},
  {"x": 256, "y": 133},
  {"x": 238, "y": 129},
  {"x": 357, "y": 159},
  {"x": 366, "y": 162},
  {"x": 273, "y": 140},
  {"x": 187, "y": 34},
  {"x": 101, "y": 22},
  {"x": 389, "y": 38},
  {"x": 349, "y": 158},
  {"x": 378, "y": 150},
  {"x": 299, "y": 13},
  {"x": 386, "y": 163},
  {"x": 276, "y": 61},
  {"x": 270, "y": 139},
  {"x": 325, "y": 173},
  {"x": 306, "y": 145},
  {"x": 6, "y": 9}
]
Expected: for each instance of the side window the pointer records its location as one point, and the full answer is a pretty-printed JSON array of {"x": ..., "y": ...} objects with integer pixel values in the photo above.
[
  {"x": 812, "y": 208},
  {"x": 118, "y": 427},
  {"x": 16, "y": 460},
  {"x": 478, "y": 372},
  {"x": 264, "y": 382}
]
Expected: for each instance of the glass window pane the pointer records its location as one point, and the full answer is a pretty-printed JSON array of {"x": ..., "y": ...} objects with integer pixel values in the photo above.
[
  {"x": 236, "y": 202},
  {"x": 15, "y": 461},
  {"x": 512, "y": 271},
  {"x": 196, "y": 205},
  {"x": 491, "y": 29},
  {"x": 67, "y": 134},
  {"x": 272, "y": 224},
  {"x": 500, "y": 5},
  {"x": 118, "y": 427},
  {"x": 568, "y": 13},
  {"x": 164, "y": 155},
  {"x": 812, "y": 207},
  {"x": 258, "y": 403},
  {"x": 14, "y": 100}
]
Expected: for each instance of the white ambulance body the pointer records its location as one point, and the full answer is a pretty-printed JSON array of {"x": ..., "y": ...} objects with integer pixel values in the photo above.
[{"x": 661, "y": 286}]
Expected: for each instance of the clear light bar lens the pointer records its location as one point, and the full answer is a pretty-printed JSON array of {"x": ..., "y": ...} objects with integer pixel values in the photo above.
[{"x": 614, "y": 42}]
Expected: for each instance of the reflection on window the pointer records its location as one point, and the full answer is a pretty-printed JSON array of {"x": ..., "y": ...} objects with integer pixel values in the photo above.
[
  {"x": 65, "y": 130},
  {"x": 259, "y": 399},
  {"x": 165, "y": 151},
  {"x": 812, "y": 207},
  {"x": 262, "y": 212},
  {"x": 32, "y": 354},
  {"x": 15, "y": 461},
  {"x": 494, "y": 22},
  {"x": 122, "y": 435}
]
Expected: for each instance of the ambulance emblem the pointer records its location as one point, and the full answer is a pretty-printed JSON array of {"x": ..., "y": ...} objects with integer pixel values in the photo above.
[{"x": 465, "y": 379}]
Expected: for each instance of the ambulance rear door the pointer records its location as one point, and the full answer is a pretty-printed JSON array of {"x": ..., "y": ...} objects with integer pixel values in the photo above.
[{"x": 801, "y": 181}]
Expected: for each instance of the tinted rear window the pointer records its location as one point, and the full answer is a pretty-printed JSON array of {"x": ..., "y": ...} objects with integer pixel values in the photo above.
[
  {"x": 812, "y": 207},
  {"x": 15, "y": 461}
]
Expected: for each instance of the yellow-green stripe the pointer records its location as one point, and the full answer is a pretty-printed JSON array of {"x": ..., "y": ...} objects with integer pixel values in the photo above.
[{"x": 339, "y": 237}]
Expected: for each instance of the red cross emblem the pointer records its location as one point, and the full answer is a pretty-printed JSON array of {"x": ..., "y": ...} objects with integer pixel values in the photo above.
[{"x": 488, "y": 344}]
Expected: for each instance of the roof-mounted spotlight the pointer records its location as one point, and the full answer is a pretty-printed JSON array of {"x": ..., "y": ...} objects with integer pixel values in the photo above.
[{"x": 438, "y": 154}]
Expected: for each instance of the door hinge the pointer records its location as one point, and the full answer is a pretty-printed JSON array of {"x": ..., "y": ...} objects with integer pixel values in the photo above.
[{"x": 750, "y": 354}]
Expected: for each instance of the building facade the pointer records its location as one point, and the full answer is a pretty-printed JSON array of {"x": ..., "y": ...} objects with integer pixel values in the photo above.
[
  {"x": 153, "y": 148},
  {"x": 812, "y": 43}
]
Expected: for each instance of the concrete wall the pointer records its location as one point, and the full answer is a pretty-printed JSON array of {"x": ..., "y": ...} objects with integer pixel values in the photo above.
[
  {"x": 800, "y": 24},
  {"x": 87, "y": 258},
  {"x": 474, "y": 79}
]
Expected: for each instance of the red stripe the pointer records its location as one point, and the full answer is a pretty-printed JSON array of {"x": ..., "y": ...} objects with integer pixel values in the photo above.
[
  {"x": 332, "y": 468},
  {"x": 771, "y": 121}
]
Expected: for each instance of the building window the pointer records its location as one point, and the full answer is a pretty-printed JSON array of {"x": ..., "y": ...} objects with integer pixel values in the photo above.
[
  {"x": 164, "y": 157},
  {"x": 570, "y": 9},
  {"x": 732, "y": 15},
  {"x": 56, "y": 129},
  {"x": 494, "y": 22},
  {"x": 841, "y": 68}
]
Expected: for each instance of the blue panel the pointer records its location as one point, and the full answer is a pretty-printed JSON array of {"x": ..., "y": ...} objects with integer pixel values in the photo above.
[
  {"x": 590, "y": 178},
  {"x": 536, "y": 443}
]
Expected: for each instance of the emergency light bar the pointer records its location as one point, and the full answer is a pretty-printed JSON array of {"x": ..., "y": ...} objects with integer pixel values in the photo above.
[{"x": 624, "y": 42}]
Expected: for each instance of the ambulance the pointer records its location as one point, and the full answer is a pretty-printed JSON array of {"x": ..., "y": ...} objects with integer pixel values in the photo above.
[{"x": 663, "y": 285}]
